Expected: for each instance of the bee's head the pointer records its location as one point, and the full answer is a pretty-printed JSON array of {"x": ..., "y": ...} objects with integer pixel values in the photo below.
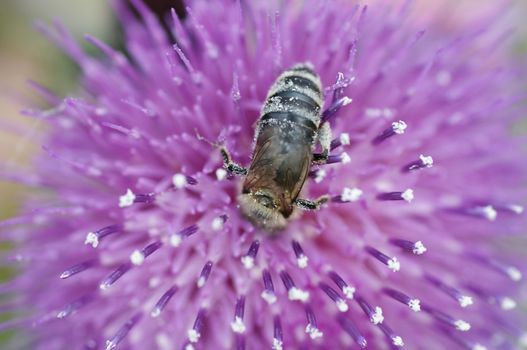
[{"x": 262, "y": 209}]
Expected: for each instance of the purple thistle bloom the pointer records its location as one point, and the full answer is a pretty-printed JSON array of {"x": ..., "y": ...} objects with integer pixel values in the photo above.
[{"x": 142, "y": 245}]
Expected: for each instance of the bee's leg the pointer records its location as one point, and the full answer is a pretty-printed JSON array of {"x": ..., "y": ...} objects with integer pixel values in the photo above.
[
  {"x": 324, "y": 138},
  {"x": 307, "y": 204},
  {"x": 229, "y": 164}
]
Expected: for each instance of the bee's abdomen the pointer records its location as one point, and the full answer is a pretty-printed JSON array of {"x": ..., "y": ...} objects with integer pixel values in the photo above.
[{"x": 295, "y": 96}]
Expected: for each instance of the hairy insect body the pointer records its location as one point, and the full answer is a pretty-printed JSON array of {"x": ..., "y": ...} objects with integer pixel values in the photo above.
[{"x": 288, "y": 129}]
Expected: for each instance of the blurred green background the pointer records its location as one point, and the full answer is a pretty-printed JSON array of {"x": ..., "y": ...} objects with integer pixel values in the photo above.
[{"x": 25, "y": 54}]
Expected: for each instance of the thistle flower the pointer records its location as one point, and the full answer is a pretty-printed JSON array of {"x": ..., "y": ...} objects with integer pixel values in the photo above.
[{"x": 141, "y": 244}]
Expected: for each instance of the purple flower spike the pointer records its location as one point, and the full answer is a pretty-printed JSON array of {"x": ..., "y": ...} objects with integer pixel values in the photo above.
[
  {"x": 122, "y": 332},
  {"x": 162, "y": 302},
  {"x": 77, "y": 269},
  {"x": 204, "y": 276},
  {"x": 248, "y": 259},
  {"x": 237, "y": 324},
  {"x": 194, "y": 333},
  {"x": 278, "y": 337},
  {"x": 142, "y": 223},
  {"x": 350, "y": 328}
]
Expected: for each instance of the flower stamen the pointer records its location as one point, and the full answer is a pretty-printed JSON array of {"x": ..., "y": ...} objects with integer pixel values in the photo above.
[
  {"x": 194, "y": 333},
  {"x": 293, "y": 292},
  {"x": 417, "y": 248},
  {"x": 115, "y": 275},
  {"x": 248, "y": 259},
  {"x": 397, "y": 128},
  {"x": 347, "y": 290},
  {"x": 122, "y": 332},
  {"x": 412, "y": 303},
  {"x": 177, "y": 238},
  {"x": 392, "y": 262},
  {"x": 311, "y": 327},
  {"x": 204, "y": 276},
  {"x": 138, "y": 256},
  {"x": 375, "y": 314},
  {"x": 268, "y": 293},
  {"x": 348, "y": 195},
  {"x": 75, "y": 269},
  {"x": 94, "y": 238},
  {"x": 406, "y": 195},
  {"x": 341, "y": 304},
  {"x": 463, "y": 300},
  {"x": 237, "y": 325},
  {"x": 349, "y": 327},
  {"x": 395, "y": 339},
  {"x": 422, "y": 162},
  {"x": 342, "y": 140},
  {"x": 278, "y": 341},
  {"x": 75, "y": 305},
  {"x": 163, "y": 301},
  {"x": 301, "y": 258}
]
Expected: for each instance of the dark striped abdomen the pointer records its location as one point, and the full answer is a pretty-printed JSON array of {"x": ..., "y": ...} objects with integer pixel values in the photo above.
[{"x": 295, "y": 96}]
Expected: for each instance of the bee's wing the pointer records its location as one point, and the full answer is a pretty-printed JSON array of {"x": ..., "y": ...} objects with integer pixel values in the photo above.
[
  {"x": 293, "y": 169},
  {"x": 282, "y": 167},
  {"x": 261, "y": 169}
]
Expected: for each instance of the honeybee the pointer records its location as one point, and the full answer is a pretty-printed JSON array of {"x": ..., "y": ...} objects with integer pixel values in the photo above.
[{"x": 289, "y": 127}]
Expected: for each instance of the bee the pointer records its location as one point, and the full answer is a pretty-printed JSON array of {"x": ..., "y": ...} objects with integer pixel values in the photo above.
[{"x": 287, "y": 132}]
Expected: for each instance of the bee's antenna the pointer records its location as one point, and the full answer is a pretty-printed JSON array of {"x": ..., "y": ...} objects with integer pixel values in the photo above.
[{"x": 202, "y": 138}]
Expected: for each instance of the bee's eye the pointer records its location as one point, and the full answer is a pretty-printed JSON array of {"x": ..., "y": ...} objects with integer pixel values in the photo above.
[{"x": 265, "y": 200}]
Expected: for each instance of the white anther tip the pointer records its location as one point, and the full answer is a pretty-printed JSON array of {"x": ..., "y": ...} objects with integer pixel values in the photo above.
[
  {"x": 342, "y": 305},
  {"x": 394, "y": 264},
  {"x": 313, "y": 331},
  {"x": 298, "y": 294},
  {"x": 489, "y": 212},
  {"x": 346, "y": 101},
  {"x": 179, "y": 181},
  {"x": 302, "y": 261},
  {"x": 268, "y": 296},
  {"x": 247, "y": 261},
  {"x": 399, "y": 127},
  {"x": 465, "y": 301},
  {"x": 462, "y": 325},
  {"x": 321, "y": 174},
  {"x": 155, "y": 312},
  {"x": 507, "y": 304},
  {"x": 419, "y": 248},
  {"x": 397, "y": 340},
  {"x": 427, "y": 161},
  {"x": 348, "y": 292},
  {"x": 175, "y": 240},
  {"x": 345, "y": 158},
  {"x": 238, "y": 326},
  {"x": 351, "y": 194},
  {"x": 344, "y": 138},
  {"x": 221, "y": 174},
  {"x": 137, "y": 257},
  {"x": 408, "y": 195},
  {"x": 518, "y": 209},
  {"x": 415, "y": 305},
  {"x": 514, "y": 274},
  {"x": 127, "y": 199},
  {"x": 277, "y": 344},
  {"x": 217, "y": 224},
  {"x": 92, "y": 239},
  {"x": 377, "y": 317},
  {"x": 193, "y": 335},
  {"x": 479, "y": 347}
]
